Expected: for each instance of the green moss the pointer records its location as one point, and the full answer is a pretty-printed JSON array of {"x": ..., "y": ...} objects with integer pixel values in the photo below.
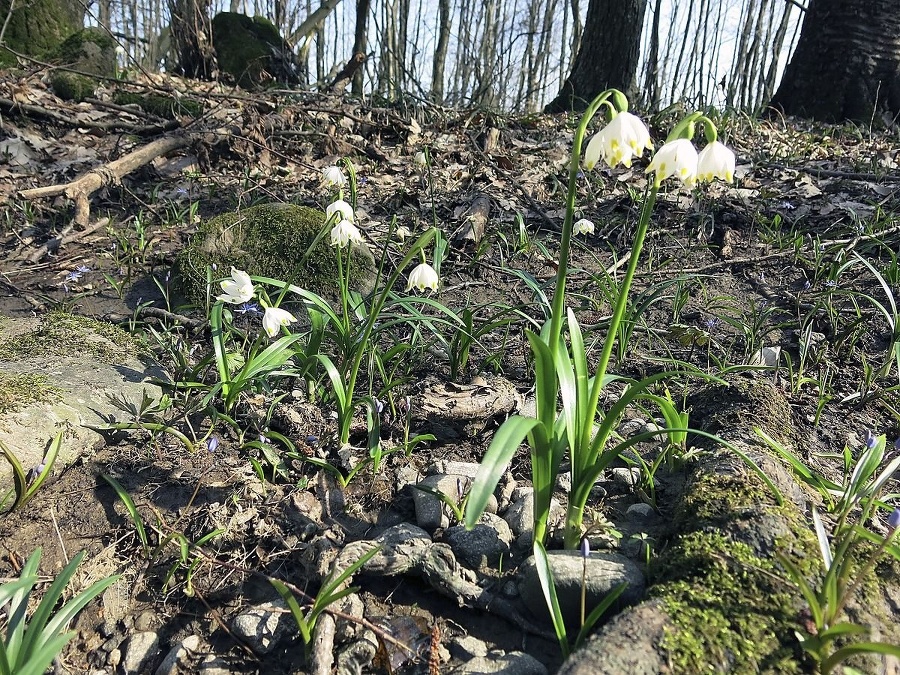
[
  {"x": 272, "y": 240},
  {"x": 72, "y": 87},
  {"x": 90, "y": 50},
  {"x": 250, "y": 49},
  {"x": 63, "y": 334},
  {"x": 730, "y": 611},
  {"x": 167, "y": 107},
  {"x": 38, "y": 27},
  {"x": 17, "y": 390}
]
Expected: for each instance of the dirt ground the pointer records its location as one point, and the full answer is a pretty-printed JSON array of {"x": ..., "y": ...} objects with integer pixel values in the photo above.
[{"x": 727, "y": 270}]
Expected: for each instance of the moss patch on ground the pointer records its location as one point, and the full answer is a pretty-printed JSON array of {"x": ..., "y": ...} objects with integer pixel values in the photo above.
[
  {"x": 166, "y": 107},
  {"x": 731, "y": 612},
  {"x": 281, "y": 241},
  {"x": 63, "y": 334},
  {"x": 18, "y": 390}
]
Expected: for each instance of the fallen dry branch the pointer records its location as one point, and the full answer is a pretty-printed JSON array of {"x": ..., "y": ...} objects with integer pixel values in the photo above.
[{"x": 81, "y": 189}]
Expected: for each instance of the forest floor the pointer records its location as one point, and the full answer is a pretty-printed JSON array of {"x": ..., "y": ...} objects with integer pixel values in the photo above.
[{"x": 799, "y": 254}]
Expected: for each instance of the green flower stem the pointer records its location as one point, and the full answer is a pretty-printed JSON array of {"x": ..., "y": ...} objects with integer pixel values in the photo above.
[
  {"x": 559, "y": 297},
  {"x": 580, "y": 486},
  {"x": 373, "y": 314}
]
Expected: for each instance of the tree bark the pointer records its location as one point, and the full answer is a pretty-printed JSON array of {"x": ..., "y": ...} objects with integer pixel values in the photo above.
[
  {"x": 440, "y": 52},
  {"x": 847, "y": 63},
  {"x": 360, "y": 43},
  {"x": 608, "y": 56}
]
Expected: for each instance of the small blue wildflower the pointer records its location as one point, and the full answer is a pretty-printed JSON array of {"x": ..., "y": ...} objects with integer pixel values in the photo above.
[
  {"x": 585, "y": 548},
  {"x": 34, "y": 472},
  {"x": 894, "y": 519},
  {"x": 74, "y": 275},
  {"x": 212, "y": 443},
  {"x": 312, "y": 440},
  {"x": 831, "y": 283},
  {"x": 84, "y": 269},
  {"x": 250, "y": 308},
  {"x": 264, "y": 439},
  {"x": 379, "y": 406},
  {"x": 871, "y": 439},
  {"x": 806, "y": 285},
  {"x": 581, "y": 175},
  {"x": 711, "y": 323}
]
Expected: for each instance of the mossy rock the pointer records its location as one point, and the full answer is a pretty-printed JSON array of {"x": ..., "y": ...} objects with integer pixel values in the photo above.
[
  {"x": 38, "y": 27},
  {"x": 90, "y": 50},
  {"x": 251, "y": 50},
  {"x": 271, "y": 240},
  {"x": 166, "y": 107}
]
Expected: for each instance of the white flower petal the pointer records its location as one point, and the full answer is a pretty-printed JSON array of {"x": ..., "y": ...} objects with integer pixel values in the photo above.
[
  {"x": 623, "y": 138},
  {"x": 332, "y": 176},
  {"x": 583, "y": 226},
  {"x": 716, "y": 161},
  {"x": 422, "y": 277},
  {"x": 345, "y": 232},
  {"x": 275, "y": 318},
  {"x": 420, "y": 159},
  {"x": 238, "y": 289},
  {"x": 341, "y": 207},
  {"x": 675, "y": 158}
]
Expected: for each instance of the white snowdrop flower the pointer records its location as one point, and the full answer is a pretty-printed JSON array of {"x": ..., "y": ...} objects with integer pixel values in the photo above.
[
  {"x": 583, "y": 226},
  {"x": 238, "y": 289},
  {"x": 420, "y": 159},
  {"x": 275, "y": 318},
  {"x": 716, "y": 161},
  {"x": 422, "y": 277},
  {"x": 623, "y": 138},
  {"x": 341, "y": 207},
  {"x": 675, "y": 158},
  {"x": 344, "y": 233},
  {"x": 333, "y": 177},
  {"x": 402, "y": 232}
]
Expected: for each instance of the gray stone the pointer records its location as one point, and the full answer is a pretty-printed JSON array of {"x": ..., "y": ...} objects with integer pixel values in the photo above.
[
  {"x": 514, "y": 663},
  {"x": 520, "y": 515},
  {"x": 467, "y": 647},
  {"x": 642, "y": 512},
  {"x": 431, "y": 511},
  {"x": 482, "y": 546},
  {"x": 141, "y": 650},
  {"x": 602, "y": 573},
  {"x": 629, "y": 476},
  {"x": 215, "y": 665},
  {"x": 629, "y": 643},
  {"x": 178, "y": 655},
  {"x": 85, "y": 364},
  {"x": 263, "y": 626}
]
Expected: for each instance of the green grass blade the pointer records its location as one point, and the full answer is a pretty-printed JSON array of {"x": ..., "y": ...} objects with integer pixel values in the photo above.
[
  {"x": 501, "y": 450},
  {"x": 542, "y": 565},
  {"x": 132, "y": 512}
]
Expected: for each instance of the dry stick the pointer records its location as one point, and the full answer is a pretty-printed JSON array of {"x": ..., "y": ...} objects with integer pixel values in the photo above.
[
  {"x": 82, "y": 188},
  {"x": 54, "y": 244}
]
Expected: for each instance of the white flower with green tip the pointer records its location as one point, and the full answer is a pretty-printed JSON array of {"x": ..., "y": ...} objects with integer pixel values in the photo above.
[
  {"x": 675, "y": 158},
  {"x": 342, "y": 208},
  {"x": 716, "y": 161},
  {"x": 238, "y": 289},
  {"x": 423, "y": 277},
  {"x": 623, "y": 138},
  {"x": 344, "y": 233},
  {"x": 275, "y": 318}
]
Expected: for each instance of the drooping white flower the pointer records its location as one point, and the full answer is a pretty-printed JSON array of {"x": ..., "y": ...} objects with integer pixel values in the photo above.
[
  {"x": 341, "y": 207},
  {"x": 120, "y": 50},
  {"x": 345, "y": 232},
  {"x": 583, "y": 226},
  {"x": 623, "y": 138},
  {"x": 675, "y": 158},
  {"x": 716, "y": 161},
  {"x": 422, "y": 277},
  {"x": 333, "y": 177},
  {"x": 238, "y": 289},
  {"x": 420, "y": 159},
  {"x": 402, "y": 232},
  {"x": 275, "y": 318}
]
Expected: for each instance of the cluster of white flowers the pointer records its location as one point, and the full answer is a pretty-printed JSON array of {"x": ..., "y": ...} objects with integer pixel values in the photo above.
[
  {"x": 239, "y": 290},
  {"x": 626, "y": 137},
  {"x": 345, "y": 232}
]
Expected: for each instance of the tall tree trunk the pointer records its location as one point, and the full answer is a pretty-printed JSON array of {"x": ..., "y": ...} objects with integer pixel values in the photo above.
[
  {"x": 360, "y": 44},
  {"x": 608, "y": 56},
  {"x": 192, "y": 38},
  {"x": 847, "y": 62},
  {"x": 440, "y": 51}
]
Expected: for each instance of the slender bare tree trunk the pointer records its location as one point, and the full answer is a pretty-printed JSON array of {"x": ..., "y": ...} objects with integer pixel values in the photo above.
[
  {"x": 360, "y": 44},
  {"x": 440, "y": 51}
]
